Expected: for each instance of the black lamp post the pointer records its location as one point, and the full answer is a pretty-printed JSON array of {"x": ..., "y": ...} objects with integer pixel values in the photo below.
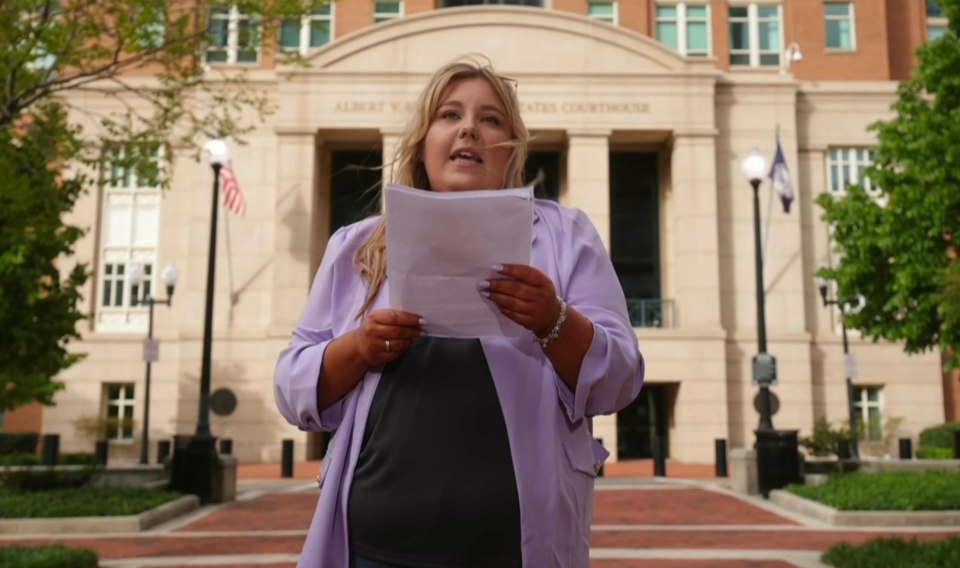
[
  {"x": 150, "y": 348},
  {"x": 764, "y": 365},
  {"x": 852, "y": 303},
  {"x": 196, "y": 466}
]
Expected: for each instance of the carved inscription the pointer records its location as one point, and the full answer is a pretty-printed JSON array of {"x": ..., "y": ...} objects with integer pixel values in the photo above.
[{"x": 536, "y": 107}]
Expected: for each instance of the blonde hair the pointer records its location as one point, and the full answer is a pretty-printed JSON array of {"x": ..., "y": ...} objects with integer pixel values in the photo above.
[{"x": 408, "y": 169}]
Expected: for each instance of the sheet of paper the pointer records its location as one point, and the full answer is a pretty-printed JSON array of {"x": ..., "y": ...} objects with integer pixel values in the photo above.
[{"x": 441, "y": 244}]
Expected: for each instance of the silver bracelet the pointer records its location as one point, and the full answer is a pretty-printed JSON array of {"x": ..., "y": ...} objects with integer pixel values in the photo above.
[{"x": 555, "y": 332}]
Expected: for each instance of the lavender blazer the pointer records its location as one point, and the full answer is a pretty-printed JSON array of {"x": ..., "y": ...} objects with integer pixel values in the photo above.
[{"x": 555, "y": 457}]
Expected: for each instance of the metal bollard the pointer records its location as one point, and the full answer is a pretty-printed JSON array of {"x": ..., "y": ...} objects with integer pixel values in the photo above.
[
  {"x": 51, "y": 449},
  {"x": 226, "y": 447},
  {"x": 956, "y": 444},
  {"x": 286, "y": 460},
  {"x": 720, "y": 450},
  {"x": 659, "y": 457},
  {"x": 163, "y": 450},
  {"x": 100, "y": 450},
  {"x": 906, "y": 448}
]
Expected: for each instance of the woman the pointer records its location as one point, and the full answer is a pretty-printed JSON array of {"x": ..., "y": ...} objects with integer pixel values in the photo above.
[{"x": 460, "y": 452}]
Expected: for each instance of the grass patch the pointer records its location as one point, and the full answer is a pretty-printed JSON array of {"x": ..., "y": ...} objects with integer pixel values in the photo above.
[
  {"x": 887, "y": 491},
  {"x": 55, "y": 556},
  {"x": 894, "y": 553},
  {"x": 87, "y": 502}
]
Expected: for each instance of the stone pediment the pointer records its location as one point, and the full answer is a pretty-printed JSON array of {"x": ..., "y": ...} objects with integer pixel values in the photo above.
[{"x": 515, "y": 39}]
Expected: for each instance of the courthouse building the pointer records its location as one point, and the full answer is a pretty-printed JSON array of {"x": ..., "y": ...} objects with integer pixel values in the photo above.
[{"x": 641, "y": 112}]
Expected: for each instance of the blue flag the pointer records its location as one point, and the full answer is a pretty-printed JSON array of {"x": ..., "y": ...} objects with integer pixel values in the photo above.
[{"x": 780, "y": 176}]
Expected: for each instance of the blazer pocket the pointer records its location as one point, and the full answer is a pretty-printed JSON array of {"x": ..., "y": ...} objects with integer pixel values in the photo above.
[{"x": 581, "y": 456}]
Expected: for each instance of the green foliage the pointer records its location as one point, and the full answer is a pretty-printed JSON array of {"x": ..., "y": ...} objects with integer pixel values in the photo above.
[
  {"x": 52, "y": 556},
  {"x": 930, "y": 453},
  {"x": 97, "y": 427},
  {"x": 78, "y": 458},
  {"x": 43, "y": 478},
  {"x": 894, "y": 552},
  {"x": 896, "y": 250},
  {"x": 887, "y": 491},
  {"x": 87, "y": 502},
  {"x": 936, "y": 442},
  {"x": 19, "y": 459},
  {"x": 18, "y": 442},
  {"x": 824, "y": 441},
  {"x": 141, "y": 57},
  {"x": 38, "y": 304}
]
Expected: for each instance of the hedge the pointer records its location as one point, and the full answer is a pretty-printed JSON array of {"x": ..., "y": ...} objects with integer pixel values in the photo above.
[
  {"x": 53, "y": 556},
  {"x": 894, "y": 552},
  {"x": 18, "y": 443}
]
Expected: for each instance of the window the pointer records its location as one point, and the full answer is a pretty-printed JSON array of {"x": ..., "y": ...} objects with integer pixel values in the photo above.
[
  {"x": 754, "y": 35},
  {"x": 846, "y": 166},
  {"x": 234, "y": 36},
  {"x": 936, "y": 23},
  {"x": 684, "y": 27},
  {"x": 453, "y": 3},
  {"x": 838, "y": 25},
  {"x": 383, "y": 11},
  {"x": 128, "y": 233},
  {"x": 868, "y": 406},
  {"x": 604, "y": 11},
  {"x": 118, "y": 413},
  {"x": 308, "y": 33}
]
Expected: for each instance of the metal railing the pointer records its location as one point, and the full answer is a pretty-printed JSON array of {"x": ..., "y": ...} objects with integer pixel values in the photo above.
[{"x": 652, "y": 313}]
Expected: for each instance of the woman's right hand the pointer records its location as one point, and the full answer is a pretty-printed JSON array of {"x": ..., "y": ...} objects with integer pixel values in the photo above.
[{"x": 384, "y": 335}]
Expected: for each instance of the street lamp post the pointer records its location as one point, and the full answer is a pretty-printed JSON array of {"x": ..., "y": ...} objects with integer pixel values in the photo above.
[
  {"x": 853, "y": 303},
  {"x": 196, "y": 467},
  {"x": 764, "y": 365},
  {"x": 150, "y": 348}
]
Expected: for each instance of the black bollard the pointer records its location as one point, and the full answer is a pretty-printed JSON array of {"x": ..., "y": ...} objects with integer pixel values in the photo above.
[
  {"x": 659, "y": 457},
  {"x": 286, "y": 460},
  {"x": 163, "y": 450},
  {"x": 906, "y": 448},
  {"x": 956, "y": 444},
  {"x": 51, "y": 449},
  {"x": 100, "y": 450},
  {"x": 226, "y": 447},
  {"x": 720, "y": 449}
]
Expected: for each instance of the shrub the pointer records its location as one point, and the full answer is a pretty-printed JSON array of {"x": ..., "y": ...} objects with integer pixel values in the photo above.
[
  {"x": 18, "y": 442},
  {"x": 894, "y": 552},
  {"x": 825, "y": 440},
  {"x": 19, "y": 459},
  {"x": 938, "y": 437},
  {"x": 931, "y": 453},
  {"x": 87, "y": 502},
  {"x": 42, "y": 478},
  {"x": 54, "y": 556},
  {"x": 78, "y": 458},
  {"x": 887, "y": 491}
]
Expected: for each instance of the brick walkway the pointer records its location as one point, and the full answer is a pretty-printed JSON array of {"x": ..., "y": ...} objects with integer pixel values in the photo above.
[{"x": 639, "y": 522}]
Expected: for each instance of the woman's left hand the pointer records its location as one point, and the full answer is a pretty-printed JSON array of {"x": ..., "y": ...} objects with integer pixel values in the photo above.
[{"x": 525, "y": 295}]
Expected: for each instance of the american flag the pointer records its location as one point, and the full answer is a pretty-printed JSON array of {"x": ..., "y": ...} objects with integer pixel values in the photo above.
[{"x": 232, "y": 197}]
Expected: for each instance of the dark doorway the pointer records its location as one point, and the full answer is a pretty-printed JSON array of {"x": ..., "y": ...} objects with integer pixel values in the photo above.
[
  {"x": 543, "y": 170},
  {"x": 635, "y": 223},
  {"x": 641, "y": 422},
  {"x": 355, "y": 179}
]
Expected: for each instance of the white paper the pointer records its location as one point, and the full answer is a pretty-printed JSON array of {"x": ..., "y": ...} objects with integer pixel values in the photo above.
[{"x": 440, "y": 245}]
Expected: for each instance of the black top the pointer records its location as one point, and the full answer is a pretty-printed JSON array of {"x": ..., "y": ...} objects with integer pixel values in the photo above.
[{"x": 434, "y": 484}]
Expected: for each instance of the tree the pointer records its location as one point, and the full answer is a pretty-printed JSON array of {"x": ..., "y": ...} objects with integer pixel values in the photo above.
[
  {"x": 898, "y": 247},
  {"x": 146, "y": 55}
]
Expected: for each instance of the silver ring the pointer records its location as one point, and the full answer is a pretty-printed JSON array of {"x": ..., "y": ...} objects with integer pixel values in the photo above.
[{"x": 386, "y": 343}]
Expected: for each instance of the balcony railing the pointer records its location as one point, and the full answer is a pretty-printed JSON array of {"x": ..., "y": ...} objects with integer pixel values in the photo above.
[{"x": 652, "y": 313}]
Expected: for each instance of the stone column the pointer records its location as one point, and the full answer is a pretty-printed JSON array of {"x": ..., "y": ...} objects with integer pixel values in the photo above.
[
  {"x": 588, "y": 178},
  {"x": 389, "y": 140},
  {"x": 588, "y": 189},
  {"x": 294, "y": 233},
  {"x": 692, "y": 259}
]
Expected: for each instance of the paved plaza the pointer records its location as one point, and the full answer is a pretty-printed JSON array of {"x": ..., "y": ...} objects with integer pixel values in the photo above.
[{"x": 687, "y": 520}]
